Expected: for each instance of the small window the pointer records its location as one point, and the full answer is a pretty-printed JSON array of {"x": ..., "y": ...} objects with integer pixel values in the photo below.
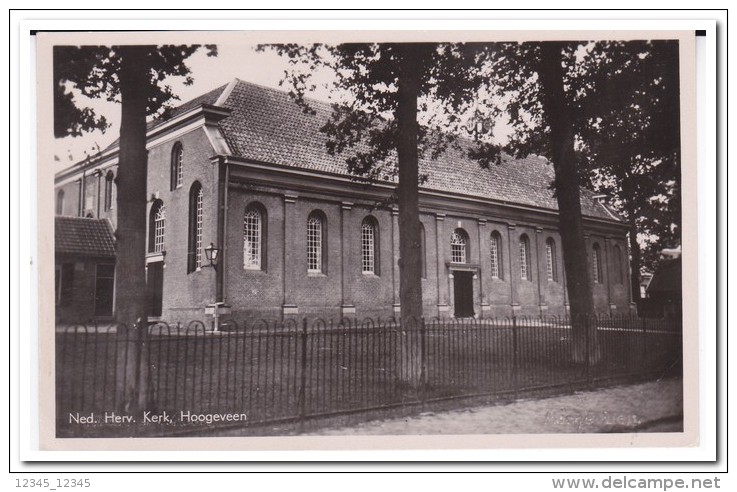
[
  {"x": 177, "y": 171},
  {"x": 316, "y": 242},
  {"x": 369, "y": 243},
  {"x": 596, "y": 263},
  {"x": 459, "y": 246},
  {"x": 194, "y": 250},
  {"x": 157, "y": 223},
  {"x": 253, "y": 238},
  {"x": 495, "y": 250},
  {"x": 60, "y": 202},
  {"x": 524, "y": 258},
  {"x": 551, "y": 260}
]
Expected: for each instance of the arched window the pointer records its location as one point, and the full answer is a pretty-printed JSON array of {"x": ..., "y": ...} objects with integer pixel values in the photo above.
[
  {"x": 423, "y": 251},
  {"x": 194, "y": 243},
  {"x": 60, "y": 202},
  {"x": 254, "y": 237},
  {"x": 108, "y": 203},
  {"x": 524, "y": 258},
  {"x": 316, "y": 242},
  {"x": 156, "y": 227},
  {"x": 459, "y": 246},
  {"x": 551, "y": 260},
  {"x": 596, "y": 263},
  {"x": 495, "y": 250},
  {"x": 369, "y": 246},
  {"x": 618, "y": 264},
  {"x": 177, "y": 171}
]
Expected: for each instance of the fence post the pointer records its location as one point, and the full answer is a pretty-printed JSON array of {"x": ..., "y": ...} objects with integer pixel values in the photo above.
[
  {"x": 587, "y": 351},
  {"x": 423, "y": 355},
  {"x": 515, "y": 348},
  {"x": 643, "y": 363},
  {"x": 303, "y": 372}
]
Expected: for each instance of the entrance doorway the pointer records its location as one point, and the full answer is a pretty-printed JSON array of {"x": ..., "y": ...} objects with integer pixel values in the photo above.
[
  {"x": 155, "y": 281},
  {"x": 463, "y": 294}
]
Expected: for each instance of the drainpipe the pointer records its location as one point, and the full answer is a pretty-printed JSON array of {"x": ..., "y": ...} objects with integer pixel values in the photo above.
[{"x": 224, "y": 234}]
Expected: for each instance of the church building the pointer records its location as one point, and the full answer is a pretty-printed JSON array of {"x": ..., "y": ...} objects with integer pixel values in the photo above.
[{"x": 243, "y": 169}]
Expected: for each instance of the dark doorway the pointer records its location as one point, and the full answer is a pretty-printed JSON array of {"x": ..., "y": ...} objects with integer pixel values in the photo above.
[
  {"x": 463, "y": 294},
  {"x": 155, "y": 282},
  {"x": 104, "y": 287}
]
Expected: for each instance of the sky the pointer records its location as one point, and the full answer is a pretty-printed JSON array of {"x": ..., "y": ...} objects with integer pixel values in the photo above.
[{"x": 244, "y": 62}]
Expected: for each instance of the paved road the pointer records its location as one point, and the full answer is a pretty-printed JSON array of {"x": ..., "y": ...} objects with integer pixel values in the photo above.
[{"x": 649, "y": 407}]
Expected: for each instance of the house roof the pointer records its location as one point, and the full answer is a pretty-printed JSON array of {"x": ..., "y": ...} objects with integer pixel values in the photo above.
[
  {"x": 667, "y": 278},
  {"x": 84, "y": 236},
  {"x": 266, "y": 125}
]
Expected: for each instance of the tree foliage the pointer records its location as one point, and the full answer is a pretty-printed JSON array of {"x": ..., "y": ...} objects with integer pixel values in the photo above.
[
  {"x": 632, "y": 146},
  {"x": 94, "y": 72}
]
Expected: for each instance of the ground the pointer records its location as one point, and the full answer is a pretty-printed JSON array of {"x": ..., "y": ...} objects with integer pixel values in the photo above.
[{"x": 648, "y": 407}]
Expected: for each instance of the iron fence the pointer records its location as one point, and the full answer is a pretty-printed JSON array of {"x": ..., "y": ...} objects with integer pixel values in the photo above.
[{"x": 275, "y": 371}]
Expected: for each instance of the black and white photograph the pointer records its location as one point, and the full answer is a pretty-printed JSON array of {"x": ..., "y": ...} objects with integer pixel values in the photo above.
[{"x": 329, "y": 235}]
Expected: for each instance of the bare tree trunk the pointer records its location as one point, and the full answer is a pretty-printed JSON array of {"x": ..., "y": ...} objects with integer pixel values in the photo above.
[
  {"x": 410, "y": 264},
  {"x": 131, "y": 298},
  {"x": 575, "y": 254}
]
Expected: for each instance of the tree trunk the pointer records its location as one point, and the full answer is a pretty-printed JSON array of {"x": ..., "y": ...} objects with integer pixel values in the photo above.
[
  {"x": 131, "y": 300},
  {"x": 575, "y": 254},
  {"x": 410, "y": 264}
]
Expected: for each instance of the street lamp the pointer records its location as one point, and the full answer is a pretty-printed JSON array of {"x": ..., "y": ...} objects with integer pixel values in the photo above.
[
  {"x": 477, "y": 126},
  {"x": 211, "y": 253}
]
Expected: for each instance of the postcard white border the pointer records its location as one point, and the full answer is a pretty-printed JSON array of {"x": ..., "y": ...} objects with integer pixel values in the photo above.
[{"x": 557, "y": 454}]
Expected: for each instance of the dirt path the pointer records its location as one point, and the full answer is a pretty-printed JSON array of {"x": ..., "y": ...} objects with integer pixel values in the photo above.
[{"x": 649, "y": 407}]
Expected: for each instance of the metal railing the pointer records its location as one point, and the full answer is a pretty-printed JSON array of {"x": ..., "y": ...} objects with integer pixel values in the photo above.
[{"x": 276, "y": 371}]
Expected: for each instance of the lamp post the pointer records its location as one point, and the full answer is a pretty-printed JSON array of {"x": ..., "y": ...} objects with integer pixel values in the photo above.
[{"x": 218, "y": 308}]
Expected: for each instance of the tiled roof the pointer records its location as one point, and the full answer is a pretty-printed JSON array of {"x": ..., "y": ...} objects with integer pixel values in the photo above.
[
  {"x": 266, "y": 125},
  {"x": 208, "y": 98},
  {"x": 84, "y": 236}
]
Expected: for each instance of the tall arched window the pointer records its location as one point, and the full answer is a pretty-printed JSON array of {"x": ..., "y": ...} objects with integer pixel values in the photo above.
[
  {"x": 108, "y": 191},
  {"x": 194, "y": 243},
  {"x": 551, "y": 260},
  {"x": 596, "y": 263},
  {"x": 459, "y": 246},
  {"x": 618, "y": 267},
  {"x": 369, "y": 246},
  {"x": 524, "y": 258},
  {"x": 177, "y": 171},
  {"x": 60, "y": 202},
  {"x": 495, "y": 250},
  {"x": 156, "y": 227},
  {"x": 253, "y": 238},
  {"x": 316, "y": 242}
]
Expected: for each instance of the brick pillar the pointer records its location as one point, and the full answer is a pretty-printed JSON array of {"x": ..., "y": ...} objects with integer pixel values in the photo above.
[
  {"x": 484, "y": 267},
  {"x": 347, "y": 308},
  {"x": 514, "y": 301},
  {"x": 395, "y": 261},
  {"x": 542, "y": 269},
  {"x": 289, "y": 306},
  {"x": 442, "y": 274}
]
